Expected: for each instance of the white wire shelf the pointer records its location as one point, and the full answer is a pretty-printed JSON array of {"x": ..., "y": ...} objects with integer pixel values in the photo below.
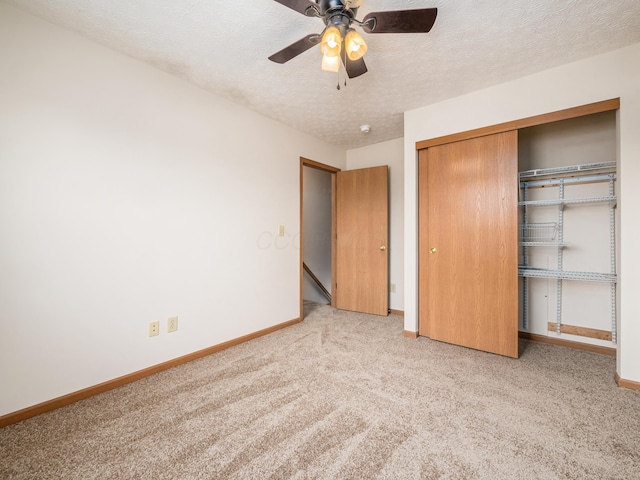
[
  {"x": 566, "y": 275},
  {"x": 586, "y": 167},
  {"x": 555, "y": 181},
  {"x": 567, "y": 201},
  {"x": 543, "y": 244}
]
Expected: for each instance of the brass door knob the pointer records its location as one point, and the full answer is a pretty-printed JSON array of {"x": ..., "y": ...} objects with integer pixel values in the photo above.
[
  {"x": 383, "y": 248},
  {"x": 432, "y": 250}
]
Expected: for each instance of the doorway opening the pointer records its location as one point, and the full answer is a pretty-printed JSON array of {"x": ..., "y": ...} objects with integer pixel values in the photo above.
[{"x": 317, "y": 231}]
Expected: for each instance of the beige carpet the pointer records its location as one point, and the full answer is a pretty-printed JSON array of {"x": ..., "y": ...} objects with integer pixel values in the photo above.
[{"x": 342, "y": 396}]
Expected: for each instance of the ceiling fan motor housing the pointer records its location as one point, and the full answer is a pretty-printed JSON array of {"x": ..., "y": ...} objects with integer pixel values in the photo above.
[
  {"x": 335, "y": 13},
  {"x": 326, "y": 5}
]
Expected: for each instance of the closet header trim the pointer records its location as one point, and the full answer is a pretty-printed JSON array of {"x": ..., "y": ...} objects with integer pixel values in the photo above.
[{"x": 589, "y": 109}]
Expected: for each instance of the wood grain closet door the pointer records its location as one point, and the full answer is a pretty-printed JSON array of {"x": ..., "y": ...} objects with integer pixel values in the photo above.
[
  {"x": 362, "y": 232},
  {"x": 468, "y": 243}
]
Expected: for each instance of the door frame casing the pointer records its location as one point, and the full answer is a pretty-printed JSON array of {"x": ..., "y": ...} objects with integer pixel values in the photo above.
[{"x": 305, "y": 162}]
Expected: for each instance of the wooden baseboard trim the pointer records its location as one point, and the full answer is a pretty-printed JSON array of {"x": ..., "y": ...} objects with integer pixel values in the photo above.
[
  {"x": 55, "y": 403},
  {"x": 410, "y": 334},
  {"x": 621, "y": 382},
  {"x": 581, "y": 331},
  {"x": 396, "y": 312},
  {"x": 567, "y": 343}
]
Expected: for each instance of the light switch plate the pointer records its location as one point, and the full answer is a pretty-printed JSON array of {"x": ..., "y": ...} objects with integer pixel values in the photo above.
[{"x": 172, "y": 324}]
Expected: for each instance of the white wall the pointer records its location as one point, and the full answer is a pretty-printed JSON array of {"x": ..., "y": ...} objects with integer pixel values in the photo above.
[
  {"x": 615, "y": 74},
  {"x": 316, "y": 226},
  {"x": 389, "y": 153},
  {"x": 587, "y": 139},
  {"x": 128, "y": 196}
]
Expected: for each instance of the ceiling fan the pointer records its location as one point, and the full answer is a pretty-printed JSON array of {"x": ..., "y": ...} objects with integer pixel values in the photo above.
[{"x": 339, "y": 42}]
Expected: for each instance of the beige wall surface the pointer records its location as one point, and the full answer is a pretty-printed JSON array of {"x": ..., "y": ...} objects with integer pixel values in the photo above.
[{"x": 128, "y": 196}]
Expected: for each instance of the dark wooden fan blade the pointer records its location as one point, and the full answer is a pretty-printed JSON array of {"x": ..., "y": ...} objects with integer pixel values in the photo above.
[
  {"x": 354, "y": 68},
  {"x": 305, "y": 7},
  {"x": 400, "y": 21},
  {"x": 295, "y": 49}
]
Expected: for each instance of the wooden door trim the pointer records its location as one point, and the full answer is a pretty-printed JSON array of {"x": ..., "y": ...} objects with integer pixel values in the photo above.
[
  {"x": 305, "y": 162},
  {"x": 334, "y": 230},
  {"x": 574, "y": 112},
  {"x": 319, "y": 166},
  {"x": 424, "y": 326}
]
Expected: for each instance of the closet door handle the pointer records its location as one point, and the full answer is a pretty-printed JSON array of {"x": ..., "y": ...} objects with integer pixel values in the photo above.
[
  {"x": 432, "y": 250},
  {"x": 383, "y": 248}
]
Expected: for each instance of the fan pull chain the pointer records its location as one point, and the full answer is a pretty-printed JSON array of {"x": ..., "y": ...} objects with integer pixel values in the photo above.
[
  {"x": 345, "y": 70},
  {"x": 345, "y": 77}
]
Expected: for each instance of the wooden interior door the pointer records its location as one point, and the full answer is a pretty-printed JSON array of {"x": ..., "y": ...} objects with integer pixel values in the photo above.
[
  {"x": 362, "y": 232},
  {"x": 469, "y": 244}
]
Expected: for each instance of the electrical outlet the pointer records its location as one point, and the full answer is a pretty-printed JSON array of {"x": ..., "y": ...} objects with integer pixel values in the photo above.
[
  {"x": 154, "y": 329},
  {"x": 393, "y": 288},
  {"x": 281, "y": 231},
  {"x": 172, "y": 324}
]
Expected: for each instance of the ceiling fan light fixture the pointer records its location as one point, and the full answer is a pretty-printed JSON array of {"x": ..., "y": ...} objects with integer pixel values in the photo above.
[
  {"x": 338, "y": 41},
  {"x": 355, "y": 45},
  {"x": 330, "y": 64},
  {"x": 331, "y": 42}
]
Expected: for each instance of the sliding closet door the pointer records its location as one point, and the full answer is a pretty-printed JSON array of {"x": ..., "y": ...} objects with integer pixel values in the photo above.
[{"x": 468, "y": 243}]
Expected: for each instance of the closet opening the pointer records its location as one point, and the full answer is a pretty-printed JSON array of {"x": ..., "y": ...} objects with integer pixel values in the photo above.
[{"x": 568, "y": 231}]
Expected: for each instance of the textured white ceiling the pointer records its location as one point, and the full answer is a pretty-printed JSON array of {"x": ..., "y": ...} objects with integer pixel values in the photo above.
[{"x": 223, "y": 47}]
